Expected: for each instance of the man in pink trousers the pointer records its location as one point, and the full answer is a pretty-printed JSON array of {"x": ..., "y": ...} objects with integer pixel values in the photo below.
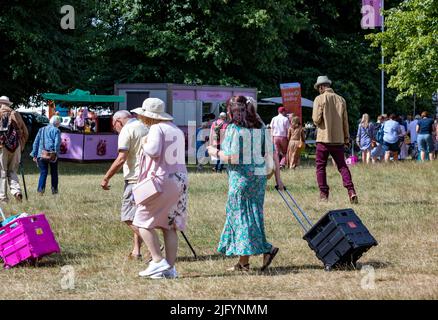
[{"x": 279, "y": 126}]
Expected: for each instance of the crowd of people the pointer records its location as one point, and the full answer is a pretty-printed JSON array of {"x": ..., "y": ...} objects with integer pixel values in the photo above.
[
  {"x": 392, "y": 137},
  {"x": 151, "y": 152}
]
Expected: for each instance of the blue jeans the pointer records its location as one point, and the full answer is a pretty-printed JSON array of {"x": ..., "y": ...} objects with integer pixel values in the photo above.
[
  {"x": 425, "y": 143},
  {"x": 44, "y": 171}
]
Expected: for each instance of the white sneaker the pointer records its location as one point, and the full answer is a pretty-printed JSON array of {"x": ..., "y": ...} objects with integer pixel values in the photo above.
[
  {"x": 155, "y": 267},
  {"x": 168, "y": 274}
]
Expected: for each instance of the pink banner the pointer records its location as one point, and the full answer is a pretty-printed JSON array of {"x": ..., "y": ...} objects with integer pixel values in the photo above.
[
  {"x": 209, "y": 95},
  {"x": 100, "y": 147},
  {"x": 97, "y": 146},
  {"x": 214, "y": 95},
  {"x": 184, "y": 95},
  {"x": 246, "y": 94},
  {"x": 371, "y": 17},
  {"x": 71, "y": 146}
]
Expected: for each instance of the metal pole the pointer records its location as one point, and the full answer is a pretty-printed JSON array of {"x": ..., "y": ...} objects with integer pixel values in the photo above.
[{"x": 383, "y": 62}]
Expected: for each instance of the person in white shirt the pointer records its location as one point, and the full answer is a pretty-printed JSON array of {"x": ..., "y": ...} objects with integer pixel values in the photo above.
[
  {"x": 280, "y": 126},
  {"x": 131, "y": 133}
]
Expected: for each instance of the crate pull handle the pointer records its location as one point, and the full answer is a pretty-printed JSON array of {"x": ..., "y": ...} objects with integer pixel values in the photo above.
[
  {"x": 293, "y": 211},
  {"x": 299, "y": 208}
]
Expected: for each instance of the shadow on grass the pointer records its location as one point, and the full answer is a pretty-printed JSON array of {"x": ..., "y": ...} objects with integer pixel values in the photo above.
[
  {"x": 374, "y": 264},
  {"x": 56, "y": 260},
  {"x": 204, "y": 258},
  {"x": 282, "y": 270},
  {"x": 402, "y": 203},
  {"x": 273, "y": 271}
]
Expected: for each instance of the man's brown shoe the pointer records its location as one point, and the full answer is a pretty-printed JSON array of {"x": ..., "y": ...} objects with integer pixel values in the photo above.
[{"x": 353, "y": 198}]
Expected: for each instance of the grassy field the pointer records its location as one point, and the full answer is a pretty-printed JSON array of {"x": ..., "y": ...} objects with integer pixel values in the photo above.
[{"x": 398, "y": 203}]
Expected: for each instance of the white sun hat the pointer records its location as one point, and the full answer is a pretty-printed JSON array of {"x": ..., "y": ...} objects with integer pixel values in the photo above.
[
  {"x": 153, "y": 108},
  {"x": 322, "y": 80},
  {"x": 5, "y": 100}
]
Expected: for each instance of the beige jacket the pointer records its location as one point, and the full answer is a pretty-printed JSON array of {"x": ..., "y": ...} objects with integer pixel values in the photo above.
[
  {"x": 22, "y": 132},
  {"x": 331, "y": 118}
]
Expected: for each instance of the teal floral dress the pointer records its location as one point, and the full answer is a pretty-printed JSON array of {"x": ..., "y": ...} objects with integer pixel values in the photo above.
[{"x": 244, "y": 230}]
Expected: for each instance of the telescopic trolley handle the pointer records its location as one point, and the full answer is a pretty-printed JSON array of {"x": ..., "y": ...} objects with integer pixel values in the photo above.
[{"x": 300, "y": 221}]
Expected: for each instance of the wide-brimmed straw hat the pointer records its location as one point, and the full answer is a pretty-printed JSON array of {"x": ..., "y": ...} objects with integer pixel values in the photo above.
[
  {"x": 322, "y": 80},
  {"x": 5, "y": 100},
  {"x": 153, "y": 108}
]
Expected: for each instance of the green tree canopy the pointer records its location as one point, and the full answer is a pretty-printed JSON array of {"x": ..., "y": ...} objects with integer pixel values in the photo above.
[
  {"x": 410, "y": 43},
  {"x": 257, "y": 43}
]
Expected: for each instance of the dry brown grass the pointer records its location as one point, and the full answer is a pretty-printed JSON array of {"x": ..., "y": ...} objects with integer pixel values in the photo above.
[{"x": 398, "y": 203}]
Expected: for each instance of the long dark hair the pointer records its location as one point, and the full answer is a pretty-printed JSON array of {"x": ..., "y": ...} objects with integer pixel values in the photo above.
[{"x": 242, "y": 112}]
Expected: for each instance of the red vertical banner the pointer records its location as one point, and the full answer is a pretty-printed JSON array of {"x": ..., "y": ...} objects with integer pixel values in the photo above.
[{"x": 291, "y": 96}]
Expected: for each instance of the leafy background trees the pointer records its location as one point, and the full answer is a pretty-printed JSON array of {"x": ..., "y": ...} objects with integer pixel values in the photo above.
[
  {"x": 411, "y": 43},
  {"x": 258, "y": 43}
]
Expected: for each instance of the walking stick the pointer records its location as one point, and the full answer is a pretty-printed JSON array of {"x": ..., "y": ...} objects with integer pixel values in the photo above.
[
  {"x": 24, "y": 181},
  {"x": 190, "y": 246}
]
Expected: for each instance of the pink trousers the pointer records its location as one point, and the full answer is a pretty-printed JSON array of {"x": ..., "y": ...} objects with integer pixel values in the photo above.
[{"x": 280, "y": 144}]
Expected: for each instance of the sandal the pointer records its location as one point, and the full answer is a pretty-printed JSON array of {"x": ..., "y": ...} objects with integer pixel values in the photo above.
[
  {"x": 239, "y": 267},
  {"x": 269, "y": 257}
]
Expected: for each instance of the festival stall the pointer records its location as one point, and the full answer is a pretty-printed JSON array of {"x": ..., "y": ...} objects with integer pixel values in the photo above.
[
  {"x": 86, "y": 129},
  {"x": 186, "y": 103}
]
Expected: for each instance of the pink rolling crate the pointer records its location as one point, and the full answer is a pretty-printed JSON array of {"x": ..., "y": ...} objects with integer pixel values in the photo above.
[{"x": 27, "y": 238}]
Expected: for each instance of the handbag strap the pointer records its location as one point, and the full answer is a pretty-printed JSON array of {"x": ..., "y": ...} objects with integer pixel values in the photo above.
[
  {"x": 143, "y": 174},
  {"x": 44, "y": 147}
]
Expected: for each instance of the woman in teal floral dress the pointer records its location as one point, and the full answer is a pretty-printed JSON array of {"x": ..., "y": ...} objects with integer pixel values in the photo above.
[{"x": 242, "y": 148}]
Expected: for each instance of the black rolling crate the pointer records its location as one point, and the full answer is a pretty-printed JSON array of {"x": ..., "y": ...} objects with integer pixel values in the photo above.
[{"x": 339, "y": 238}]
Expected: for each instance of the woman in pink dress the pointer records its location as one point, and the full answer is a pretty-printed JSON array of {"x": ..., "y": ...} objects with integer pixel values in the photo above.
[{"x": 164, "y": 155}]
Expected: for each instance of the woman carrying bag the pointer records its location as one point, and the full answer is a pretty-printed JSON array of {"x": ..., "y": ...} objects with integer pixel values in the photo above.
[
  {"x": 45, "y": 149},
  {"x": 161, "y": 192}
]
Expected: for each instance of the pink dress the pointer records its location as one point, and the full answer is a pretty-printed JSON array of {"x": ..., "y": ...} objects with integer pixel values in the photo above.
[{"x": 166, "y": 148}]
